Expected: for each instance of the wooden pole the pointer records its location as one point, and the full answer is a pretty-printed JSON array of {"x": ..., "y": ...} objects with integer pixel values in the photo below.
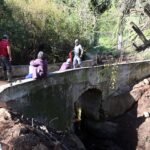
[
  {"x": 139, "y": 32},
  {"x": 147, "y": 9}
]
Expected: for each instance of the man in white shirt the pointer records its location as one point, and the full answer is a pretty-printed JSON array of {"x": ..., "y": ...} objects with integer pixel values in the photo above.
[{"x": 78, "y": 52}]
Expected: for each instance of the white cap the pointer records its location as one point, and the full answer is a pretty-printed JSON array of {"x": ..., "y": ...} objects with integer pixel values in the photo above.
[
  {"x": 40, "y": 54},
  {"x": 76, "y": 41}
]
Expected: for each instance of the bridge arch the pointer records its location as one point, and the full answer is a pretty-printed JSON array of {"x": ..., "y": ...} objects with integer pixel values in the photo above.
[{"x": 89, "y": 105}]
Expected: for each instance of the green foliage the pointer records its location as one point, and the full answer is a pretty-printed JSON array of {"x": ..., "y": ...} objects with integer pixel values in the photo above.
[
  {"x": 53, "y": 24},
  {"x": 108, "y": 29},
  {"x": 117, "y": 19},
  {"x": 144, "y": 55}
]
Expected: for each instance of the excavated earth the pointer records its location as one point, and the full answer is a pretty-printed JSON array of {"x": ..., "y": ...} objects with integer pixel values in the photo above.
[
  {"x": 135, "y": 124},
  {"x": 130, "y": 131},
  {"x": 20, "y": 133},
  {"x": 134, "y": 133}
]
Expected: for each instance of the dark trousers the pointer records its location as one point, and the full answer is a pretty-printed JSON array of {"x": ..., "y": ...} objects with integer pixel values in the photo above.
[{"x": 5, "y": 63}]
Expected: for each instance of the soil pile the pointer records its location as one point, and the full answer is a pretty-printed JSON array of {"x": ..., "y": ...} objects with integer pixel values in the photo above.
[
  {"x": 130, "y": 131},
  {"x": 19, "y": 133},
  {"x": 134, "y": 125}
]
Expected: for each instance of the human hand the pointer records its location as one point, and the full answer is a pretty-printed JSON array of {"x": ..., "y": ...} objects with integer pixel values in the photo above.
[{"x": 10, "y": 58}]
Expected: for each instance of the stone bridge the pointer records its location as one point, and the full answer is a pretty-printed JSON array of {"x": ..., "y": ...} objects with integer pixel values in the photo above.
[{"x": 102, "y": 91}]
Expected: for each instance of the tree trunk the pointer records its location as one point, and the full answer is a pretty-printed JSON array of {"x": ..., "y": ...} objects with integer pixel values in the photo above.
[
  {"x": 147, "y": 9},
  {"x": 142, "y": 37},
  {"x": 139, "y": 32},
  {"x": 120, "y": 36},
  {"x": 95, "y": 33},
  {"x": 142, "y": 47}
]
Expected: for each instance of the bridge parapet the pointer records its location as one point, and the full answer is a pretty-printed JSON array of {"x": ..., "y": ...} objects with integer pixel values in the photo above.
[{"x": 22, "y": 70}]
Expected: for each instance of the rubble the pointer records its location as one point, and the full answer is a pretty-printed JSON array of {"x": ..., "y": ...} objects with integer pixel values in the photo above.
[{"x": 19, "y": 133}]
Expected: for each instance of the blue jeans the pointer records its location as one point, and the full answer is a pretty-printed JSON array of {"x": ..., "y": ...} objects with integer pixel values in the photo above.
[
  {"x": 5, "y": 63},
  {"x": 28, "y": 76}
]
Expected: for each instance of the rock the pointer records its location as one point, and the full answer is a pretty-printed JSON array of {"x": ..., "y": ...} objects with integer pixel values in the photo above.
[
  {"x": 137, "y": 93},
  {"x": 21, "y": 135},
  {"x": 140, "y": 84},
  {"x": 4, "y": 115},
  {"x": 146, "y": 114},
  {"x": 146, "y": 81}
]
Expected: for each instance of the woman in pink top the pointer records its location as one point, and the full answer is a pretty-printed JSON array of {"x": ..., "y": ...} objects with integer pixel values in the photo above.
[
  {"x": 66, "y": 65},
  {"x": 38, "y": 67}
]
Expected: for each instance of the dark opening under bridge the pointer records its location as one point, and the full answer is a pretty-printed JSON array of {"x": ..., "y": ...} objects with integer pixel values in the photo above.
[{"x": 99, "y": 89}]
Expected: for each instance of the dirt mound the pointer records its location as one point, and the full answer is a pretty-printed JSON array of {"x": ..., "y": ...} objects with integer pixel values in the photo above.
[
  {"x": 19, "y": 133},
  {"x": 130, "y": 131},
  {"x": 143, "y": 110},
  {"x": 134, "y": 125}
]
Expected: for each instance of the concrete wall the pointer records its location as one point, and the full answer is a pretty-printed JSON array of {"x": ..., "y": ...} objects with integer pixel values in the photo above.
[
  {"x": 22, "y": 70},
  {"x": 54, "y": 97}
]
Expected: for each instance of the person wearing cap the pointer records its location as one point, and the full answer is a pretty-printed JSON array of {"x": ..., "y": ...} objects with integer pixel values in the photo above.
[
  {"x": 66, "y": 65},
  {"x": 6, "y": 57},
  {"x": 38, "y": 67},
  {"x": 78, "y": 52}
]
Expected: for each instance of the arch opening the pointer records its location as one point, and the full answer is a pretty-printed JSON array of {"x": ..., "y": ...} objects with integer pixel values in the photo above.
[{"x": 87, "y": 108}]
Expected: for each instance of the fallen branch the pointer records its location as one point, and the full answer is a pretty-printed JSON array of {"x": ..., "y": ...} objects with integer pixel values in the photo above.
[{"x": 147, "y": 9}]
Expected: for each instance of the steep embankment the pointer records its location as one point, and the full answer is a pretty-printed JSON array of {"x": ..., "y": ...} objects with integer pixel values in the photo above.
[
  {"x": 129, "y": 131},
  {"x": 134, "y": 126},
  {"x": 136, "y": 123}
]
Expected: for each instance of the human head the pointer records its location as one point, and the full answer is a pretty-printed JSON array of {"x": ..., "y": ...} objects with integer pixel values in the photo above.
[
  {"x": 5, "y": 36},
  {"x": 40, "y": 55},
  {"x": 68, "y": 61},
  {"x": 76, "y": 42}
]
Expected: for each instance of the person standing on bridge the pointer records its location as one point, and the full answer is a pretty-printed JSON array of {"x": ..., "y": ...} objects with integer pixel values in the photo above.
[
  {"x": 6, "y": 57},
  {"x": 78, "y": 52}
]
